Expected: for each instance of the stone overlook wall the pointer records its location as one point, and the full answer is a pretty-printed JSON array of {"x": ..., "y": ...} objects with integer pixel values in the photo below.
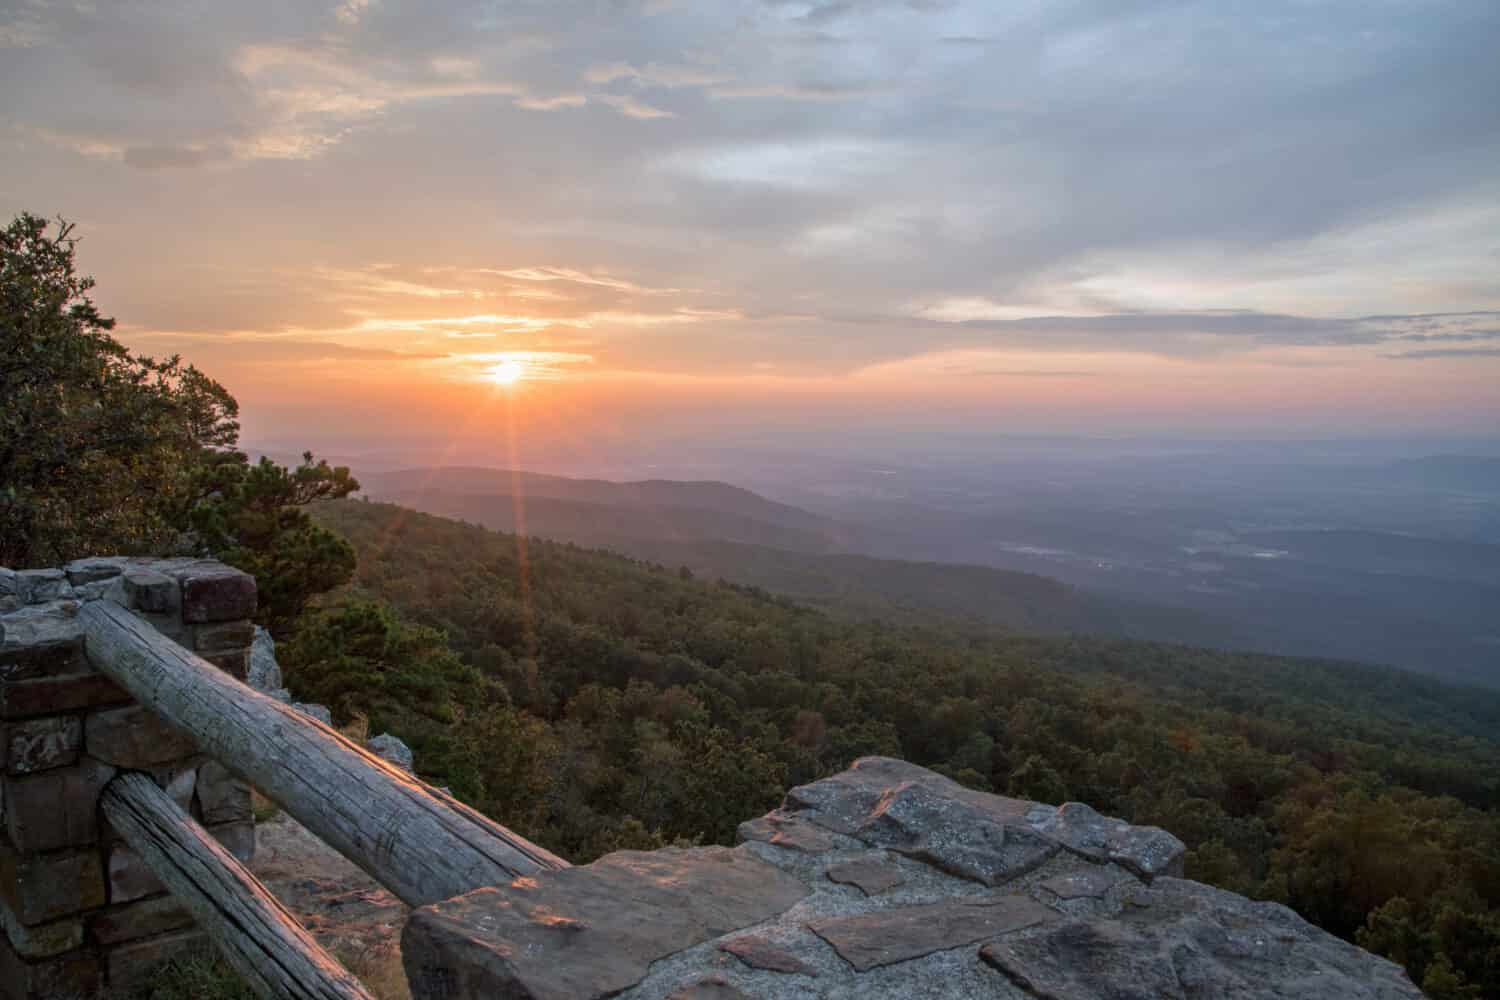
[
  {"x": 81, "y": 912},
  {"x": 888, "y": 882}
]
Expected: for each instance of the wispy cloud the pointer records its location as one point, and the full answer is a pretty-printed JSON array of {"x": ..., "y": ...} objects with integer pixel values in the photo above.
[
  {"x": 350, "y": 11},
  {"x": 573, "y": 276},
  {"x": 1438, "y": 353},
  {"x": 633, "y": 108},
  {"x": 213, "y": 348},
  {"x": 556, "y": 102},
  {"x": 655, "y": 75}
]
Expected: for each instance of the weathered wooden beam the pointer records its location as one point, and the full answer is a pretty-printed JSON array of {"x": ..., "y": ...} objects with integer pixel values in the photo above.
[
  {"x": 254, "y": 932},
  {"x": 421, "y": 846}
]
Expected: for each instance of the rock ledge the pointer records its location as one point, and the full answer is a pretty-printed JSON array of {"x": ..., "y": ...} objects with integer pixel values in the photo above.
[{"x": 888, "y": 881}]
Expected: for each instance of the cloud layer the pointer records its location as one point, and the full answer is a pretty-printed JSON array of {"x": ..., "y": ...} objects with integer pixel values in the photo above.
[{"x": 815, "y": 189}]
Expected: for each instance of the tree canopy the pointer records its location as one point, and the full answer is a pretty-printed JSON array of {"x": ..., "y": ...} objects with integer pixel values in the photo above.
[
  {"x": 107, "y": 452},
  {"x": 99, "y": 448}
]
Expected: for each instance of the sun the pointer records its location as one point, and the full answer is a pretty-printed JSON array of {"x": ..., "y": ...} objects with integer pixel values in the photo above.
[{"x": 507, "y": 372}]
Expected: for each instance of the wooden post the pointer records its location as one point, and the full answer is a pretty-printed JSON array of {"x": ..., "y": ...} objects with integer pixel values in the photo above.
[
  {"x": 421, "y": 846},
  {"x": 265, "y": 944}
]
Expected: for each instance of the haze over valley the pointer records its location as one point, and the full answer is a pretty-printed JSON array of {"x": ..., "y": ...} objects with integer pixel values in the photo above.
[{"x": 1344, "y": 550}]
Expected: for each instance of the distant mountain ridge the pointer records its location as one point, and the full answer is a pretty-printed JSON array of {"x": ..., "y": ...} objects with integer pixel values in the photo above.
[
  {"x": 1476, "y": 473},
  {"x": 929, "y": 593},
  {"x": 721, "y": 531},
  {"x": 597, "y": 510}
]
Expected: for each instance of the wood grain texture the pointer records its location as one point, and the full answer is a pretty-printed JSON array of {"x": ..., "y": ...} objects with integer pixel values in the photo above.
[
  {"x": 255, "y": 933},
  {"x": 420, "y": 844}
]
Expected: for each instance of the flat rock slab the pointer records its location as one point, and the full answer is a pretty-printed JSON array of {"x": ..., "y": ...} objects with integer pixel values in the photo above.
[
  {"x": 92, "y": 570},
  {"x": 897, "y": 806},
  {"x": 1087, "y": 883},
  {"x": 41, "y": 641},
  {"x": 786, "y": 831},
  {"x": 871, "y": 876},
  {"x": 1180, "y": 940},
  {"x": 589, "y": 931},
  {"x": 709, "y": 989},
  {"x": 991, "y": 839},
  {"x": 760, "y": 952},
  {"x": 844, "y": 802},
  {"x": 886, "y": 937},
  {"x": 1146, "y": 850}
]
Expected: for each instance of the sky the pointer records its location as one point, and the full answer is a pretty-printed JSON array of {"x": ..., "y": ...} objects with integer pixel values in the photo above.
[{"x": 582, "y": 224}]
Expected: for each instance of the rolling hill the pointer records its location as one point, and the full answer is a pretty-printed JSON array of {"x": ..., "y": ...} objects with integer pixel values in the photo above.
[{"x": 724, "y": 532}]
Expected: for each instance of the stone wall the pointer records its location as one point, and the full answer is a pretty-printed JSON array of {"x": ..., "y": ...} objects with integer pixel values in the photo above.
[{"x": 81, "y": 912}]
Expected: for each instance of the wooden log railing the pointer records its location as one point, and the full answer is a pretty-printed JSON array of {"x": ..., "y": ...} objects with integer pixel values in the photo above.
[
  {"x": 421, "y": 845},
  {"x": 255, "y": 933}
]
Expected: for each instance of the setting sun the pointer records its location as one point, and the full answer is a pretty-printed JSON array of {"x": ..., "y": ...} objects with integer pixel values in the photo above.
[{"x": 507, "y": 372}]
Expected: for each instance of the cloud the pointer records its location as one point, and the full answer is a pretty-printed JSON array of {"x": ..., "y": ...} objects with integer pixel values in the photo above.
[
  {"x": 821, "y": 185},
  {"x": 632, "y": 108},
  {"x": 556, "y": 102},
  {"x": 350, "y": 11},
  {"x": 572, "y": 276},
  {"x": 260, "y": 349},
  {"x": 1021, "y": 372},
  {"x": 376, "y": 282},
  {"x": 655, "y": 75},
  {"x": 156, "y": 157},
  {"x": 22, "y": 32},
  {"x": 1439, "y": 353},
  {"x": 1203, "y": 333},
  {"x": 314, "y": 95},
  {"x": 816, "y": 92},
  {"x": 677, "y": 317}
]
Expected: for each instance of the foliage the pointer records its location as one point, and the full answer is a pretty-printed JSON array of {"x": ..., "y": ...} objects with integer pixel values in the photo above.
[
  {"x": 364, "y": 662},
  {"x": 254, "y": 517},
  {"x": 105, "y": 452},
  {"x": 660, "y": 708},
  {"x": 98, "y": 448}
]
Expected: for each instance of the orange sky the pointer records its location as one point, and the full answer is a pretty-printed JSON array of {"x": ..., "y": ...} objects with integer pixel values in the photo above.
[{"x": 670, "y": 219}]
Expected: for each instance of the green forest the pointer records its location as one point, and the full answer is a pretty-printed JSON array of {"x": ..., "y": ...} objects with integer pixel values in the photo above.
[{"x": 595, "y": 703}]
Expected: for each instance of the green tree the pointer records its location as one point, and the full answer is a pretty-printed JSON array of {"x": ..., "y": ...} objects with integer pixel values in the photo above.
[
  {"x": 102, "y": 451},
  {"x": 99, "y": 448},
  {"x": 254, "y": 517},
  {"x": 1442, "y": 982},
  {"x": 359, "y": 658}
]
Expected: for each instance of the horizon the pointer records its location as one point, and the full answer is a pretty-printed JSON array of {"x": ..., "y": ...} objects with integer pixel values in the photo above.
[{"x": 571, "y": 230}]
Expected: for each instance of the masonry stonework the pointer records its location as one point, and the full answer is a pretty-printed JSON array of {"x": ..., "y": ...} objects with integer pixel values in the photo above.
[{"x": 82, "y": 914}]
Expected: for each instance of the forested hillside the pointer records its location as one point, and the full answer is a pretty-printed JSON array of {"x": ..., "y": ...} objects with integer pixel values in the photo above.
[
  {"x": 596, "y": 703},
  {"x": 950, "y": 595},
  {"x": 599, "y": 512},
  {"x": 721, "y": 531},
  {"x": 718, "y": 497}
]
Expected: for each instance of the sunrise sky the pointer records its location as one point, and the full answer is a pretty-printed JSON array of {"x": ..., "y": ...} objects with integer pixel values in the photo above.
[{"x": 380, "y": 221}]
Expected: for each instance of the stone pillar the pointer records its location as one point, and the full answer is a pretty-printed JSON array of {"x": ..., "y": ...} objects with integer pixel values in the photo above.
[{"x": 80, "y": 910}]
